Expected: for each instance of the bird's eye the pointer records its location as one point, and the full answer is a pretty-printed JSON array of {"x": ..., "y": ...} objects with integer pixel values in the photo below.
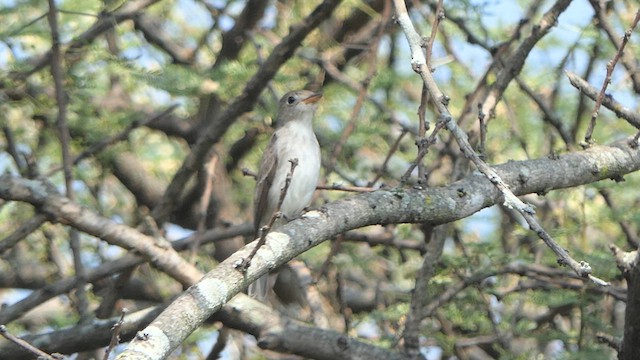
[{"x": 291, "y": 100}]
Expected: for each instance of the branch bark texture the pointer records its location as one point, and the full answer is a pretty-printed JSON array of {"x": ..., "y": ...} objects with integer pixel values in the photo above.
[{"x": 433, "y": 206}]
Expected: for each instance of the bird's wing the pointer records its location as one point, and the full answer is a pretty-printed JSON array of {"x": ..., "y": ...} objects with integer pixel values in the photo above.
[{"x": 266, "y": 175}]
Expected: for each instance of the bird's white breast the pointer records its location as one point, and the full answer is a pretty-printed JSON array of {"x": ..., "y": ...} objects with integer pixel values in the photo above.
[{"x": 301, "y": 143}]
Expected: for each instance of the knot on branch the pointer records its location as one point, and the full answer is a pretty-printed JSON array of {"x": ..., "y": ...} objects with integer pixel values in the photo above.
[{"x": 585, "y": 269}]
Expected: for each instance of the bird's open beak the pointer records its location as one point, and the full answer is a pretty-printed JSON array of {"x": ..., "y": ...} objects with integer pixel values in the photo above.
[{"x": 313, "y": 98}]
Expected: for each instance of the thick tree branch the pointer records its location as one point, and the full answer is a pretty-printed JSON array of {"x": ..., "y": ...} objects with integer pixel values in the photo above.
[
  {"x": 43, "y": 196},
  {"x": 433, "y": 206},
  {"x": 242, "y": 312},
  {"x": 113, "y": 267}
]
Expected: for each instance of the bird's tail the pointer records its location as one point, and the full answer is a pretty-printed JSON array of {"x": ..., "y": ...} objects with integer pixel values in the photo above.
[{"x": 259, "y": 288}]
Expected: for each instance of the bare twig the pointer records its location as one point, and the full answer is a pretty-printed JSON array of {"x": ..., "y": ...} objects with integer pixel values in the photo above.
[
  {"x": 82, "y": 303},
  {"x": 340, "y": 187},
  {"x": 434, "y": 31},
  {"x": 61, "y": 100},
  {"x": 336, "y": 245},
  {"x": 419, "y": 65},
  {"x": 115, "y": 337},
  {"x": 631, "y": 116},
  {"x": 607, "y": 80},
  {"x": 380, "y": 172},
  {"x": 423, "y": 126},
  {"x": 362, "y": 93},
  {"x": 104, "y": 23},
  {"x": 549, "y": 115},
  {"x": 122, "y": 135},
  {"x": 25, "y": 345},
  {"x": 435, "y": 241},
  {"x": 507, "y": 62},
  {"x": 628, "y": 59},
  {"x": 123, "y": 264},
  {"x": 264, "y": 231},
  {"x": 345, "y": 311},
  {"x": 483, "y": 132},
  {"x": 26, "y": 25},
  {"x": 25, "y": 229},
  {"x": 12, "y": 149},
  {"x": 424, "y": 98},
  {"x": 632, "y": 239},
  {"x": 423, "y": 149},
  {"x": 155, "y": 33},
  {"x": 203, "y": 204}
]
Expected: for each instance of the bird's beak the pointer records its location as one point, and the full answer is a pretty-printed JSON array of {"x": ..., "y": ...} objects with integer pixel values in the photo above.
[{"x": 313, "y": 98}]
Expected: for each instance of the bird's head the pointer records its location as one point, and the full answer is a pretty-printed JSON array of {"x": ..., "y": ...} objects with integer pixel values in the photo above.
[{"x": 297, "y": 105}]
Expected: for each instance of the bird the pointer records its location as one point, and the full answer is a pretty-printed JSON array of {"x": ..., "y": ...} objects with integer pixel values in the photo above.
[{"x": 294, "y": 138}]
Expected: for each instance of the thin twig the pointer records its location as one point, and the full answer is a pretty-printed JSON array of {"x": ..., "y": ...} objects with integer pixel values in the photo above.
[
  {"x": 23, "y": 344},
  {"x": 362, "y": 93},
  {"x": 264, "y": 231},
  {"x": 61, "y": 100},
  {"x": 483, "y": 132},
  {"x": 441, "y": 101},
  {"x": 434, "y": 31},
  {"x": 423, "y": 149},
  {"x": 434, "y": 238},
  {"x": 115, "y": 337},
  {"x": 82, "y": 302},
  {"x": 628, "y": 59},
  {"x": 423, "y": 127},
  {"x": 549, "y": 115},
  {"x": 383, "y": 168},
  {"x": 345, "y": 310},
  {"x": 122, "y": 135},
  {"x": 25, "y": 229},
  {"x": 12, "y": 149},
  {"x": 203, "y": 204},
  {"x": 630, "y": 115},
  {"x": 633, "y": 240},
  {"x": 340, "y": 187},
  {"x": 124, "y": 264},
  {"x": 336, "y": 245},
  {"x": 607, "y": 80},
  {"x": 21, "y": 28}
]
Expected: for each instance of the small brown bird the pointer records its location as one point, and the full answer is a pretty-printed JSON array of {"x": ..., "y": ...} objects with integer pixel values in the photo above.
[{"x": 293, "y": 139}]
